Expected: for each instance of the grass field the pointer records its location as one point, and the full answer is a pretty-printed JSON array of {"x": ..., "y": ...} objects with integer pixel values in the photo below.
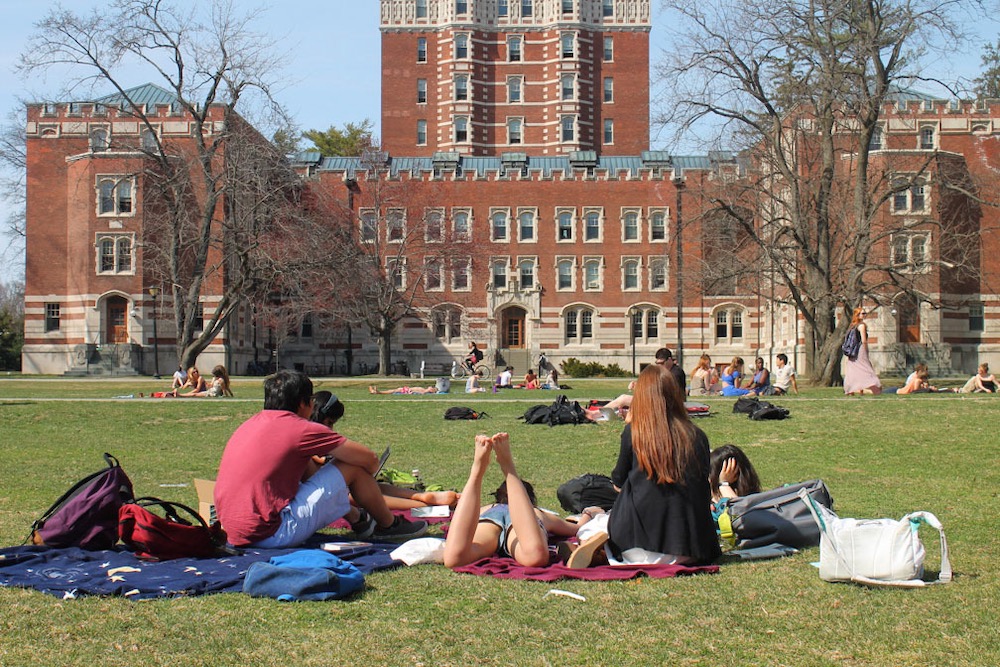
[{"x": 881, "y": 457}]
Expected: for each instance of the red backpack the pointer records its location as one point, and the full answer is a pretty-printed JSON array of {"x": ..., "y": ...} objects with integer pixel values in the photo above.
[{"x": 155, "y": 537}]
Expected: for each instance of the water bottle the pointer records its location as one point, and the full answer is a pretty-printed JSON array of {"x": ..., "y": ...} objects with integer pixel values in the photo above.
[{"x": 420, "y": 480}]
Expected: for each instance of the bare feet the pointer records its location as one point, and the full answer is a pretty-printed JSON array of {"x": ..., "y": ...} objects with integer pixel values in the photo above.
[
  {"x": 501, "y": 445},
  {"x": 449, "y": 498},
  {"x": 372, "y": 389},
  {"x": 484, "y": 450}
]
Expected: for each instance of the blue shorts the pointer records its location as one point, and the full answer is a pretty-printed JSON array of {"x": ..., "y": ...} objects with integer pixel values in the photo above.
[
  {"x": 321, "y": 500},
  {"x": 499, "y": 515}
]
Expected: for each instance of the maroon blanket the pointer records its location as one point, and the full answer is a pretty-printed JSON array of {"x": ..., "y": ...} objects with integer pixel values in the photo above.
[
  {"x": 508, "y": 568},
  {"x": 342, "y": 523}
]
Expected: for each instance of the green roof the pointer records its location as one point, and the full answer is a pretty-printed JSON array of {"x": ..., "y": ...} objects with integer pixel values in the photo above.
[{"x": 149, "y": 94}]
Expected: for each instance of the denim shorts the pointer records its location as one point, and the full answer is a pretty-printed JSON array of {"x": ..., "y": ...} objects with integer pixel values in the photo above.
[
  {"x": 499, "y": 515},
  {"x": 321, "y": 500}
]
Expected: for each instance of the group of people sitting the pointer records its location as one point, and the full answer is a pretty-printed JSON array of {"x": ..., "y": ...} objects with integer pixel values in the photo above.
[
  {"x": 706, "y": 380},
  {"x": 197, "y": 386}
]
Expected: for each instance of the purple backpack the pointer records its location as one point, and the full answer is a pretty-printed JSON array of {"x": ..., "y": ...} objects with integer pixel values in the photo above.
[{"x": 86, "y": 516}]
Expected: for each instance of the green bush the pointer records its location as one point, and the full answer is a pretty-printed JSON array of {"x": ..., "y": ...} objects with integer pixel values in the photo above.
[{"x": 582, "y": 369}]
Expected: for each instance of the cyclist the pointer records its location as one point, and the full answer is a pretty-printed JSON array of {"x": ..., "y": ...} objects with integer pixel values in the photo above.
[{"x": 475, "y": 356}]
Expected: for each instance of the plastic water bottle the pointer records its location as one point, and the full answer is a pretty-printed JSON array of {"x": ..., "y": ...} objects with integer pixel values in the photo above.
[{"x": 420, "y": 480}]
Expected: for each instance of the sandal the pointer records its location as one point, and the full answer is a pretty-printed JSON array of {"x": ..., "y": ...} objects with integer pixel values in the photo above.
[{"x": 583, "y": 556}]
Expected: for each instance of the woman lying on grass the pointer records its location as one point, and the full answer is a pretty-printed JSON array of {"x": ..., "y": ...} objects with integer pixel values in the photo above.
[
  {"x": 327, "y": 409},
  {"x": 512, "y": 526}
]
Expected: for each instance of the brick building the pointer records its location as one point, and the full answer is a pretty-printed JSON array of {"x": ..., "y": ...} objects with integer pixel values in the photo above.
[{"x": 520, "y": 126}]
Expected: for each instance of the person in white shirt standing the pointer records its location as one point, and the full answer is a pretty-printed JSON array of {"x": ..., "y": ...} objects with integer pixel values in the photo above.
[{"x": 784, "y": 376}]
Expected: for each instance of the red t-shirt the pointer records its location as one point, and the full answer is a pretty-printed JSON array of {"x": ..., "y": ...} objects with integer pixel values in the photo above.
[{"x": 261, "y": 469}]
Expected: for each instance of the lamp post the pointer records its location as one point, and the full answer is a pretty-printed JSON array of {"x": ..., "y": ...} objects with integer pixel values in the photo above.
[
  {"x": 631, "y": 331},
  {"x": 679, "y": 189},
  {"x": 154, "y": 292}
]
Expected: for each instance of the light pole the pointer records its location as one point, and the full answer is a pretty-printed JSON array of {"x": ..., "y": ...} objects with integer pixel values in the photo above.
[
  {"x": 631, "y": 331},
  {"x": 679, "y": 188},
  {"x": 154, "y": 292}
]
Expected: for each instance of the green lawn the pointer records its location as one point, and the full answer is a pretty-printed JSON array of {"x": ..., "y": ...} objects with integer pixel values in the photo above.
[{"x": 882, "y": 456}]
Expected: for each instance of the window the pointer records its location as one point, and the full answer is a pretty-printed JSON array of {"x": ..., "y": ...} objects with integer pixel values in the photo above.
[
  {"x": 461, "y": 129},
  {"x": 977, "y": 319},
  {"x": 592, "y": 226},
  {"x": 526, "y": 226},
  {"x": 514, "y": 89},
  {"x": 609, "y": 89},
  {"x": 99, "y": 140},
  {"x": 579, "y": 325},
  {"x": 461, "y": 6},
  {"x": 909, "y": 197},
  {"x": 447, "y": 323},
  {"x": 630, "y": 274},
  {"x": 514, "y": 131},
  {"x": 609, "y": 131},
  {"x": 592, "y": 274},
  {"x": 645, "y": 323},
  {"x": 526, "y": 7},
  {"x": 148, "y": 140},
  {"x": 461, "y": 225},
  {"x": 51, "y": 317},
  {"x": 461, "y": 46},
  {"x": 927, "y": 138},
  {"x": 514, "y": 49},
  {"x": 421, "y": 91},
  {"x": 657, "y": 274},
  {"x": 526, "y": 273},
  {"x": 630, "y": 226},
  {"x": 395, "y": 226},
  {"x": 564, "y": 225},
  {"x": 306, "y": 329},
  {"x": 729, "y": 325},
  {"x": 503, "y": 8},
  {"x": 114, "y": 253},
  {"x": 568, "y": 44},
  {"x": 421, "y": 9},
  {"x": 607, "y": 8},
  {"x": 567, "y": 87},
  {"x": 568, "y": 128},
  {"x": 657, "y": 226},
  {"x": 461, "y": 87},
  {"x": 433, "y": 279},
  {"x": 609, "y": 49},
  {"x": 421, "y": 49},
  {"x": 877, "y": 139},
  {"x": 928, "y": 105},
  {"x": 564, "y": 274},
  {"x": 653, "y": 324},
  {"x": 499, "y": 271},
  {"x": 369, "y": 226},
  {"x": 114, "y": 196},
  {"x": 395, "y": 270},
  {"x": 199, "y": 317},
  {"x": 499, "y": 226},
  {"x": 460, "y": 271},
  {"x": 909, "y": 251},
  {"x": 421, "y": 132},
  {"x": 434, "y": 226}
]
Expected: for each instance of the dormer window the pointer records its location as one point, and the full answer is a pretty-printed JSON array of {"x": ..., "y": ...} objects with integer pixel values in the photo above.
[{"x": 99, "y": 140}]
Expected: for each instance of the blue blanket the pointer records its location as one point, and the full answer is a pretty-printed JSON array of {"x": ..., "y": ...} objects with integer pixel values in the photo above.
[{"x": 70, "y": 573}]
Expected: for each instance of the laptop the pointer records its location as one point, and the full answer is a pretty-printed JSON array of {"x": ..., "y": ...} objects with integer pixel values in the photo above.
[{"x": 382, "y": 459}]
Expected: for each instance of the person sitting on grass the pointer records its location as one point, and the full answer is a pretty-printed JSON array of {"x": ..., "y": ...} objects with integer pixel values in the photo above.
[
  {"x": 327, "y": 410},
  {"x": 530, "y": 380},
  {"x": 218, "y": 388},
  {"x": 372, "y": 389},
  {"x": 272, "y": 492},
  {"x": 982, "y": 382},
  {"x": 505, "y": 378},
  {"x": 512, "y": 526},
  {"x": 195, "y": 382},
  {"x": 472, "y": 385},
  {"x": 784, "y": 376},
  {"x": 180, "y": 377}
]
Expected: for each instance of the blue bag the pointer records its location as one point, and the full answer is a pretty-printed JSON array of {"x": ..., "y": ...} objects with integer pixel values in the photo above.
[{"x": 309, "y": 574}]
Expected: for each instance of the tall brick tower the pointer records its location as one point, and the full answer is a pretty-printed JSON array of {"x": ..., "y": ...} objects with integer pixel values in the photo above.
[{"x": 543, "y": 77}]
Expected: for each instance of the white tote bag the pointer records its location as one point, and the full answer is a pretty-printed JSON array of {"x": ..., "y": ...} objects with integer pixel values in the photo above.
[{"x": 875, "y": 552}]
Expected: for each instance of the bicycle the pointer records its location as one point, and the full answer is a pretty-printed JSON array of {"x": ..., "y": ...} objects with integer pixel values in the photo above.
[{"x": 460, "y": 371}]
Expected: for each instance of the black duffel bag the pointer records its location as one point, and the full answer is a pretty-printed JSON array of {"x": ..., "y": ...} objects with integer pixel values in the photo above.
[{"x": 777, "y": 516}]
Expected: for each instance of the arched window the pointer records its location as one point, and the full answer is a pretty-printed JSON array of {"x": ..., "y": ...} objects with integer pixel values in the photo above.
[
  {"x": 461, "y": 46},
  {"x": 567, "y": 87},
  {"x": 526, "y": 273},
  {"x": 114, "y": 196},
  {"x": 630, "y": 274},
  {"x": 527, "y": 225},
  {"x": 592, "y": 274},
  {"x": 499, "y": 220},
  {"x": 644, "y": 324},
  {"x": 729, "y": 325},
  {"x": 630, "y": 226},
  {"x": 99, "y": 140},
  {"x": 115, "y": 254},
  {"x": 578, "y": 325},
  {"x": 462, "y": 230},
  {"x": 564, "y": 274},
  {"x": 565, "y": 226}
]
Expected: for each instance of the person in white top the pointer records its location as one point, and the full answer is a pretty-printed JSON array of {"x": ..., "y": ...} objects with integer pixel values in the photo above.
[
  {"x": 505, "y": 377},
  {"x": 784, "y": 376}
]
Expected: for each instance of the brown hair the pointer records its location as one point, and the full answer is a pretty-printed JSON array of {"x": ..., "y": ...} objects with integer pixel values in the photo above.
[
  {"x": 856, "y": 316},
  {"x": 705, "y": 362},
  {"x": 662, "y": 434}
]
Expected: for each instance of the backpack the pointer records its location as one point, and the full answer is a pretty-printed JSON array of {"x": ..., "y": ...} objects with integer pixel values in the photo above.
[
  {"x": 777, "y": 516},
  {"x": 746, "y": 405},
  {"x": 536, "y": 414},
  {"x": 768, "y": 411},
  {"x": 86, "y": 516},
  {"x": 460, "y": 412},
  {"x": 155, "y": 537},
  {"x": 562, "y": 411},
  {"x": 852, "y": 343},
  {"x": 587, "y": 491}
]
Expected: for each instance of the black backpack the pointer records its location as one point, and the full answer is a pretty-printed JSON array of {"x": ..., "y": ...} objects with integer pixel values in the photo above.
[
  {"x": 461, "y": 412},
  {"x": 562, "y": 411},
  {"x": 536, "y": 414},
  {"x": 768, "y": 411},
  {"x": 587, "y": 491},
  {"x": 746, "y": 405},
  {"x": 852, "y": 344}
]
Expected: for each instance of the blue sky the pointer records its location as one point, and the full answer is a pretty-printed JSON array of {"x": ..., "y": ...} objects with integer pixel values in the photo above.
[{"x": 333, "y": 60}]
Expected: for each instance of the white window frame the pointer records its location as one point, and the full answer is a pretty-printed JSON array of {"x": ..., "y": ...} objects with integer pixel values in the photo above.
[
  {"x": 527, "y": 8},
  {"x": 643, "y": 323},
  {"x": 368, "y": 225},
  {"x": 608, "y": 94},
  {"x": 877, "y": 142},
  {"x": 918, "y": 191},
  {"x": 461, "y": 44},
  {"x": 429, "y": 214},
  {"x": 532, "y": 263},
  {"x": 631, "y": 261},
  {"x": 115, "y": 247},
  {"x": 533, "y": 213},
  {"x": 608, "y": 133},
  {"x": 515, "y": 48},
  {"x": 567, "y": 91},
  {"x": 503, "y": 8},
  {"x": 148, "y": 139},
  {"x": 730, "y": 316},
  {"x": 395, "y": 221},
  {"x": 515, "y": 84},
  {"x": 572, "y": 225},
  {"x": 433, "y": 274},
  {"x": 421, "y": 49},
  {"x": 655, "y": 264},
  {"x": 493, "y": 228},
  {"x": 464, "y": 122},
  {"x": 99, "y": 139},
  {"x": 567, "y": 128},
  {"x": 460, "y": 236},
  {"x": 608, "y": 49},
  {"x": 572, "y": 50},
  {"x": 607, "y": 9},
  {"x": 421, "y": 9},
  {"x": 921, "y": 135},
  {"x": 665, "y": 212},
  {"x": 500, "y": 268},
  {"x": 395, "y": 269},
  {"x": 458, "y": 267},
  {"x": 118, "y": 184},
  {"x": 562, "y": 261},
  {"x": 593, "y": 264},
  {"x": 446, "y": 323},
  {"x": 460, "y": 87},
  {"x": 585, "y": 217},
  {"x": 626, "y": 214},
  {"x": 910, "y": 263},
  {"x": 579, "y": 314},
  {"x": 421, "y": 132},
  {"x": 421, "y": 91},
  {"x": 515, "y": 131}
]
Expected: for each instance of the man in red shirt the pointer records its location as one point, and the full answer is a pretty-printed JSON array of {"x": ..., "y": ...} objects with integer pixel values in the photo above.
[{"x": 283, "y": 477}]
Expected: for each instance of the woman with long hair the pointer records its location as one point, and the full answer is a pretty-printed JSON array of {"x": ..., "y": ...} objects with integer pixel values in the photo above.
[
  {"x": 663, "y": 513},
  {"x": 731, "y": 375},
  {"x": 732, "y": 475},
  {"x": 860, "y": 376},
  {"x": 703, "y": 377}
]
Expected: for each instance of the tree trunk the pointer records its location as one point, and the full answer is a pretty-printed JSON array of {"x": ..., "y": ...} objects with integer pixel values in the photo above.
[{"x": 385, "y": 350}]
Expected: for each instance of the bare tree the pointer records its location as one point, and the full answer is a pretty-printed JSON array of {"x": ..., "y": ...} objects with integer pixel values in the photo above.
[
  {"x": 211, "y": 196},
  {"x": 13, "y": 170},
  {"x": 799, "y": 89}
]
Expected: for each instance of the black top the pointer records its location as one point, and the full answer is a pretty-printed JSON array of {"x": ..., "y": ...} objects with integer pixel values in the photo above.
[
  {"x": 476, "y": 353},
  {"x": 673, "y": 519},
  {"x": 681, "y": 378}
]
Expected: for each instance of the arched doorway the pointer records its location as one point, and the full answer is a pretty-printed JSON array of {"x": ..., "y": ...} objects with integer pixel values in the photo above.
[
  {"x": 115, "y": 320},
  {"x": 512, "y": 346},
  {"x": 908, "y": 319}
]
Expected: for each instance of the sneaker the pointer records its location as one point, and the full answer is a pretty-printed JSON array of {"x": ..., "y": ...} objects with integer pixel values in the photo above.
[
  {"x": 401, "y": 529},
  {"x": 364, "y": 526}
]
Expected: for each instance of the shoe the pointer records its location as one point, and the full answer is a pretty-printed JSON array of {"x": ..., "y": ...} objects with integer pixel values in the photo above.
[
  {"x": 364, "y": 526},
  {"x": 401, "y": 529},
  {"x": 583, "y": 556}
]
